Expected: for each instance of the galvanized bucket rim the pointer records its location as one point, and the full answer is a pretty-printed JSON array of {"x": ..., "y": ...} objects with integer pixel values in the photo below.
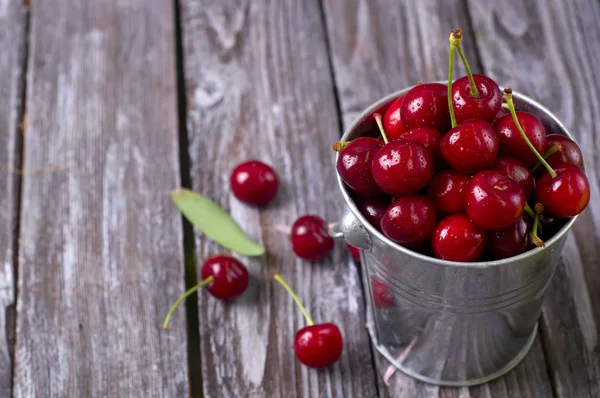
[{"x": 480, "y": 264}]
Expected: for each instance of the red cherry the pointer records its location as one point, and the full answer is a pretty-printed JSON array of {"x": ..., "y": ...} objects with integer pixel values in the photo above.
[
  {"x": 230, "y": 277},
  {"x": 402, "y": 167},
  {"x": 318, "y": 346},
  {"x": 456, "y": 238},
  {"x": 426, "y": 105},
  {"x": 409, "y": 220},
  {"x": 516, "y": 171},
  {"x": 470, "y": 146},
  {"x": 565, "y": 195},
  {"x": 510, "y": 241},
  {"x": 501, "y": 113},
  {"x": 392, "y": 123},
  {"x": 382, "y": 296},
  {"x": 373, "y": 210},
  {"x": 568, "y": 151},
  {"x": 310, "y": 238},
  {"x": 430, "y": 139},
  {"x": 493, "y": 201},
  {"x": 446, "y": 191},
  {"x": 485, "y": 106},
  {"x": 512, "y": 143},
  {"x": 354, "y": 165},
  {"x": 354, "y": 251},
  {"x": 224, "y": 277},
  {"x": 254, "y": 183}
]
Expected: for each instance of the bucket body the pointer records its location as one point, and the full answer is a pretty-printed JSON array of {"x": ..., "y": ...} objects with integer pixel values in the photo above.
[{"x": 450, "y": 323}]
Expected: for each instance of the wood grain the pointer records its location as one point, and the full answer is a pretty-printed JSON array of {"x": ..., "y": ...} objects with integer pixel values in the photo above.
[
  {"x": 548, "y": 50},
  {"x": 101, "y": 257},
  {"x": 12, "y": 62},
  {"x": 378, "y": 47},
  {"x": 259, "y": 86}
]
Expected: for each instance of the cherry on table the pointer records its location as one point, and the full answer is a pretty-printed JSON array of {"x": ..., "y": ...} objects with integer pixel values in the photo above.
[
  {"x": 254, "y": 183},
  {"x": 565, "y": 195},
  {"x": 512, "y": 143},
  {"x": 223, "y": 276},
  {"x": 373, "y": 209},
  {"x": 516, "y": 171},
  {"x": 456, "y": 238},
  {"x": 567, "y": 150},
  {"x": 354, "y": 164},
  {"x": 493, "y": 201},
  {"x": 310, "y": 238},
  {"x": 470, "y": 147},
  {"x": 392, "y": 122},
  {"x": 382, "y": 296},
  {"x": 409, "y": 220},
  {"x": 447, "y": 191},
  {"x": 316, "y": 345},
  {"x": 510, "y": 241},
  {"x": 485, "y": 105},
  {"x": 426, "y": 105}
]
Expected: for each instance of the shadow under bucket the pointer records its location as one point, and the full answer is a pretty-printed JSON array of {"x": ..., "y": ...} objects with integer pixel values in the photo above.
[{"x": 450, "y": 323}]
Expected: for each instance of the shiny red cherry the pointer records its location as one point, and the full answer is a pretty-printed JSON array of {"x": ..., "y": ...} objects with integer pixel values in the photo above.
[
  {"x": 516, "y": 171},
  {"x": 485, "y": 106},
  {"x": 310, "y": 238},
  {"x": 402, "y": 167},
  {"x": 409, "y": 220},
  {"x": 426, "y": 105},
  {"x": 430, "y": 139},
  {"x": 230, "y": 277},
  {"x": 568, "y": 150},
  {"x": 382, "y": 296},
  {"x": 354, "y": 251},
  {"x": 392, "y": 123},
  {"x": 254, "y": 183},
  {"x": 446, "y": 191},
  {"x": 510, "y": 241},
  {"x": 354, "y": 165},
  {"x": 456, "y": 238},
  {"x": 512, "y": 143},
  {"x": 565, "y": 195},
  {"x": 493, "y": 201},
  {"x": 501, "y": 113},
  {"x": 373, "y": 209},
  {"x": 318, "y": 346},
  {"x": 471, "y": 146}
]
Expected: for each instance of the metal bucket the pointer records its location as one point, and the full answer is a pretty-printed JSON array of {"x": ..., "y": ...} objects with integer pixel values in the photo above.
[{"x": 450, "y": 323}]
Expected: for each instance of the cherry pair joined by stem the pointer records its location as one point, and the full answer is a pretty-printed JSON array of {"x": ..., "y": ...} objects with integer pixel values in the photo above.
[
  {"x": 223, "y": 276},
  {"x": 316, "y": 345}
]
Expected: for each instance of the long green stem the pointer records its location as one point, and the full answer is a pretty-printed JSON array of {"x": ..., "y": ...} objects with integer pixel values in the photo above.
[
  {"x": 474, "y": 91},
  {"x": 553, "y": 149},
  {"x": 287, "y": 287},
  {"x": 454, "y": 41},
  {"x": 511, "y": 107},
  {"x": 377, "y": 117},
  {"x": 201, "y": 284},
  {"x": 534, "y": 237},
  {"x": 529, "y": 210}
]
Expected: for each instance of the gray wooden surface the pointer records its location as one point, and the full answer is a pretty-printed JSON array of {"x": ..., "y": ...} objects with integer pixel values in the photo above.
[{"x": 100, "y": 254}]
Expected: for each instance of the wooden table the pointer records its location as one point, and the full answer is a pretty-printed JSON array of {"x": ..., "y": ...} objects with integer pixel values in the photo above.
[{"x": 108, "y": 105}]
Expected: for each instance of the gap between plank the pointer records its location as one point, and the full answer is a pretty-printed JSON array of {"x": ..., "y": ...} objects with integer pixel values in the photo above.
[
  {"x": 189, "y": 250},
  {"x": 11, "y": 315}
]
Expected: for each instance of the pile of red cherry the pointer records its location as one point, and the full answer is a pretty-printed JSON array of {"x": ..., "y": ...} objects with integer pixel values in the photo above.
[{"x": 455, "y": 176}]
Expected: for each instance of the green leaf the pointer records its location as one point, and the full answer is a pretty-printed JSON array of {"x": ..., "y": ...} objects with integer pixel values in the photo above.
[{"x": 214, "y": 222}]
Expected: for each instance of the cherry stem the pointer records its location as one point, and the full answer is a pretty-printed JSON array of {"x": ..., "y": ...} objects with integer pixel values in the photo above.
[
  {"x": 457, "y": 34},
  {"x": 339, "y": 146},
  {"x": 529, "y": 210},
  {"x": 377, "y": 117},
  {"x": 454, "y": 41},
  {"x": 534, "y": 237},
  {"x": 553, "y": 149},
  {"x": 199, "y": 285},
  {"x": 511, "y": 107},
  {"x": 288, "y": 289}
]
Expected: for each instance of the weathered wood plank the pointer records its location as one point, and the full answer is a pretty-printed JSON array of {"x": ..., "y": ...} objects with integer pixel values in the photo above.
[
  {"x": 549, "y": 50},
  {"x": 100, "y": 256},
  {"x": 12, "y": 62},
  {"x": 378, "y": 47},
  {"x": 259, "y": 86}
]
